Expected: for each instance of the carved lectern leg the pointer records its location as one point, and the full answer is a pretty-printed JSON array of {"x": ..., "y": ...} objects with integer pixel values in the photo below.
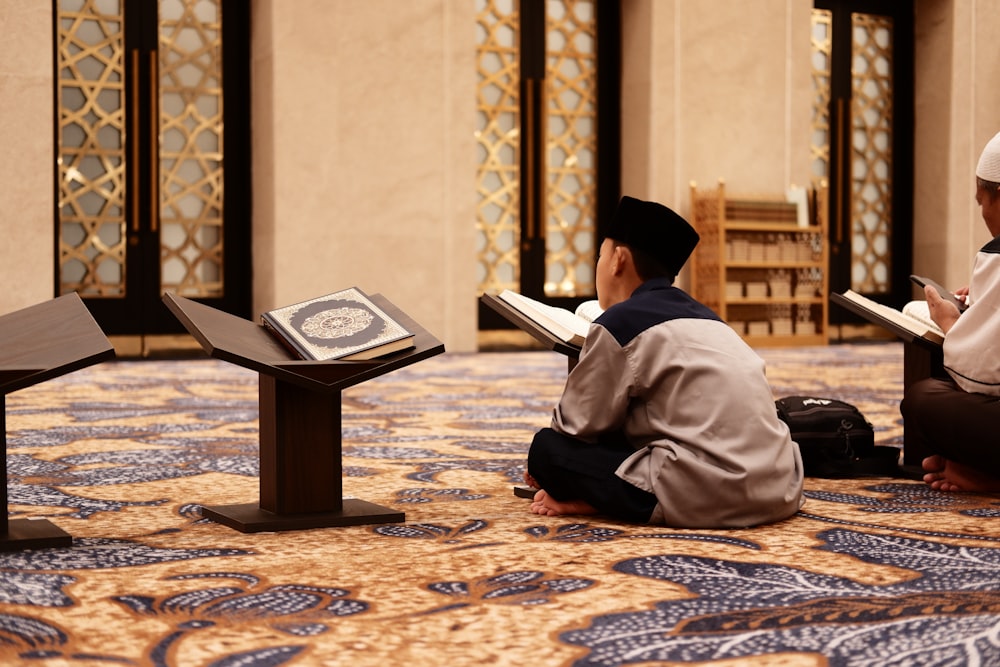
[
  {"x": 18, "y": 534},
  {"x": 300, "y": 467}
]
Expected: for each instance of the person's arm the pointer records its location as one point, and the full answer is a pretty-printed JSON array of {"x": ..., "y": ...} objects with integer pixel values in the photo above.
[
  {"x": 596, "y": 397},
  {"x": 943, "y": 312}
]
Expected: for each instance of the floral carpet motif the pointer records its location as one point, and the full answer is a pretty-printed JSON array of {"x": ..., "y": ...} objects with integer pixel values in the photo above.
[{"x": 878, "y": 571}]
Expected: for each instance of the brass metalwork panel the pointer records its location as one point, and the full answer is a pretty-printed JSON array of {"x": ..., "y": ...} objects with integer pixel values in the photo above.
[
  {"x": 871, "y": 153},
  {"x": 91, "y": 148},
  {"x": 866, "y": 131},
  {"x": 497, "y": 138},
  {"x": 822, "y": 63},
  {"x": 190, "y": 147},
  {"x": 570, "y": 130},
  {"x": 571, "y": 147},
  {"x": 95, "y": 173}
]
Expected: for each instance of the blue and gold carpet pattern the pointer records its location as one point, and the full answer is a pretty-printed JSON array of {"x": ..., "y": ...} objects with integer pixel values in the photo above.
[{"x": 123, "y": 455}]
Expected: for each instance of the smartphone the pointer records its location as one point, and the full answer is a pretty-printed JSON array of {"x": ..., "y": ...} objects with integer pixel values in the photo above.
[{"x": 945, "y": 293}]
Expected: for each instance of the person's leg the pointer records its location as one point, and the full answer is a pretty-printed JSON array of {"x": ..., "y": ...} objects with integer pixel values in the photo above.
[
  {"x": 959, "y": 428},
  {"x": 944, "y": 475},
  {"x": 569, "y": 472}
]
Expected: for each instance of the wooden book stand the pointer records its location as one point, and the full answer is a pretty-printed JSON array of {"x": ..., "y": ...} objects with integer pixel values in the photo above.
[
  {"x": 39, "y": 343},
  {"x": 300, "y": 420}
]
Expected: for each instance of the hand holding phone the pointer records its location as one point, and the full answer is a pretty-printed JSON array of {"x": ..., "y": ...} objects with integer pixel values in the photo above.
[{"x": 946, "y": 294}]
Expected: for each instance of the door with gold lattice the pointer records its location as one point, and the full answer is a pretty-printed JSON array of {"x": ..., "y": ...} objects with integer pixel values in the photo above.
[
  {"x": 548, "y": 140},
  {"x": 862, "y": 55},
  {"x": 152, "y": 157}
]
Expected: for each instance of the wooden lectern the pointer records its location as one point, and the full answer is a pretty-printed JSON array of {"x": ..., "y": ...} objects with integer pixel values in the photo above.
[
  {"x": 300, "y": 420},
  {"x": 39, "y": 343},
  {"x": 922, "y": 358},
  {"x": 536, "y": 331}
]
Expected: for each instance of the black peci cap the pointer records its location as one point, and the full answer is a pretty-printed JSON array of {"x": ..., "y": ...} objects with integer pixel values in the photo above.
[{"x": 654, "y": 230}]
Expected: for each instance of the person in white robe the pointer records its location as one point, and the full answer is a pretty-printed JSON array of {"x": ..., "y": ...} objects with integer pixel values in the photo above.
[{"x": 955, "y": 418}]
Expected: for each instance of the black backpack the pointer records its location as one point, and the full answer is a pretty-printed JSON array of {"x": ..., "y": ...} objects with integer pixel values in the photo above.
[{"x": 835, "y": 439}]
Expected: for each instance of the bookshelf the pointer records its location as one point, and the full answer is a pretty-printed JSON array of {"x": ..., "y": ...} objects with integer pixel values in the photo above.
[{"x": 761, "y": 264}]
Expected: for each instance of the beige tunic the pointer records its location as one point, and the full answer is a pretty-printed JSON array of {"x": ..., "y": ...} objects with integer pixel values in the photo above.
[
  {"x": 693, "y": 400},
  {"x": 972, "y": 346}
]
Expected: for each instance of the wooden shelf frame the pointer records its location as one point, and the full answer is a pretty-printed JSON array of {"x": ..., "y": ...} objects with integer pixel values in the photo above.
[{"x": 712, "y": 267}]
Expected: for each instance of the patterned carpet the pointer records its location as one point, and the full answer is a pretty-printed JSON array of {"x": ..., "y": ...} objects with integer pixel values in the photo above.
[{"x": 122, "y": 455}]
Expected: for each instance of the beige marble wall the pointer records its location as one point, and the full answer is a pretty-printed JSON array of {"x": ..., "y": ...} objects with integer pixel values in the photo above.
[
  {"x": 26, "y": 172},
  {"x": 364, "y": 160},
  {"x": 697, "y": 106},
  {"x": 957, "y": 112},
  {"x": 364, "y": 156}
]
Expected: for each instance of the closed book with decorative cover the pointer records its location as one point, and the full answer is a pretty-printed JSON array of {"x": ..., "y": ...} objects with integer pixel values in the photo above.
[{"x": 345, "y": 325}]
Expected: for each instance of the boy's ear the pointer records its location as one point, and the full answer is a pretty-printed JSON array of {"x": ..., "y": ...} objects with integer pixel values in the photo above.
[{"x": 621, "y": 255}]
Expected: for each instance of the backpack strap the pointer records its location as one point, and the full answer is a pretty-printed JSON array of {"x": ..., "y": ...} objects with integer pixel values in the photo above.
[{"x": 879, "y": 462}]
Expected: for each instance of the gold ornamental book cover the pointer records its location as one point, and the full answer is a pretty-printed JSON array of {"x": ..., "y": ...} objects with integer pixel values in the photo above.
[{"x": 344, "y": 325}]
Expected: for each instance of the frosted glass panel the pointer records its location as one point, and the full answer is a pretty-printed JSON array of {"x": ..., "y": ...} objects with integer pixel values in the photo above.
[
  {"x": 91, "y": 158},
  {"x": 190, "y": 147},
  {"x": 871, "y": 153},
  {"x": 571, "y": 147},
  {"x": 497, "y": 140}
]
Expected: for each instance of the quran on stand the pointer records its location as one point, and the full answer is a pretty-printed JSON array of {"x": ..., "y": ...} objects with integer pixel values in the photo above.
[
  {"x": 344, "y": 325},
  {"x": 914, "y": 321},
  {"x": 569, "y": 327}
]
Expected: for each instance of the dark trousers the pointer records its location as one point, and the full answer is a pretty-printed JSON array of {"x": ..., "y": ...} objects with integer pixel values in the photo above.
[
  {"x": 956, "y": 424},
  {"x": 570, "y": 469}
]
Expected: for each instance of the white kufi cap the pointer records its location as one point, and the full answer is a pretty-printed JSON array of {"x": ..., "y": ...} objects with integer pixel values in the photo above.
[{"x": 988, "y": 168}]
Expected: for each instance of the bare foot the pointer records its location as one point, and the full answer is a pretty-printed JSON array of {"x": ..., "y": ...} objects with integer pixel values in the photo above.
[
  {"x": 546, "y": 505},
  {"x": 945, "y": 475},
  {"x": 530, "y": 481}
]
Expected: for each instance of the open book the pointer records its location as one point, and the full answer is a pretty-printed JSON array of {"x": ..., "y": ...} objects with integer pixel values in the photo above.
[
  {"x": 919, "y": 310},
  {"x": 569, "y": 327},
  {"x": 344, "y": 325},
  {"x": 913, "y": 322}
]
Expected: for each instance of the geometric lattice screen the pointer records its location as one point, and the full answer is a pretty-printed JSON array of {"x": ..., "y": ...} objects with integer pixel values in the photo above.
[
  {"x": 498, "y": 234},
  {"x": 569, "y": 112},
  {"x": 571, "y": 148},
  {"x": 822, "y": 65},
  {"x": 190, "y": 165},
  {"x": 91, "y": 148},
  {"x": 95, "y": 173},
  {"x": 871, "y": 134},
  {"x": 866, "y": 131}
]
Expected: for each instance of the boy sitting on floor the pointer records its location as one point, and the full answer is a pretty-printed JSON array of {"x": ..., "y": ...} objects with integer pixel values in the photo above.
[{"x": 667, "y": 417}]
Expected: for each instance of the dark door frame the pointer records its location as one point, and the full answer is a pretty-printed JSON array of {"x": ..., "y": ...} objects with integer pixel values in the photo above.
[
  {"x": 532, "y": 157},
  {"x": 141, "y": 311},
  {"x": 901, "y": 225}
]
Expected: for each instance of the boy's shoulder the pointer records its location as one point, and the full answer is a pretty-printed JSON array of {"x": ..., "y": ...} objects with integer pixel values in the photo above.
[{"x": 649, "y": 308}]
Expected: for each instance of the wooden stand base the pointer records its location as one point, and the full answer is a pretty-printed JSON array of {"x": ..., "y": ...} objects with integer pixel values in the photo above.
[
  {"x": 39, "y": 343},
  {"x": 250, "y": 518},
  {"x": 300, "y": 420},
  {"x": 33, "y": 534}
]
